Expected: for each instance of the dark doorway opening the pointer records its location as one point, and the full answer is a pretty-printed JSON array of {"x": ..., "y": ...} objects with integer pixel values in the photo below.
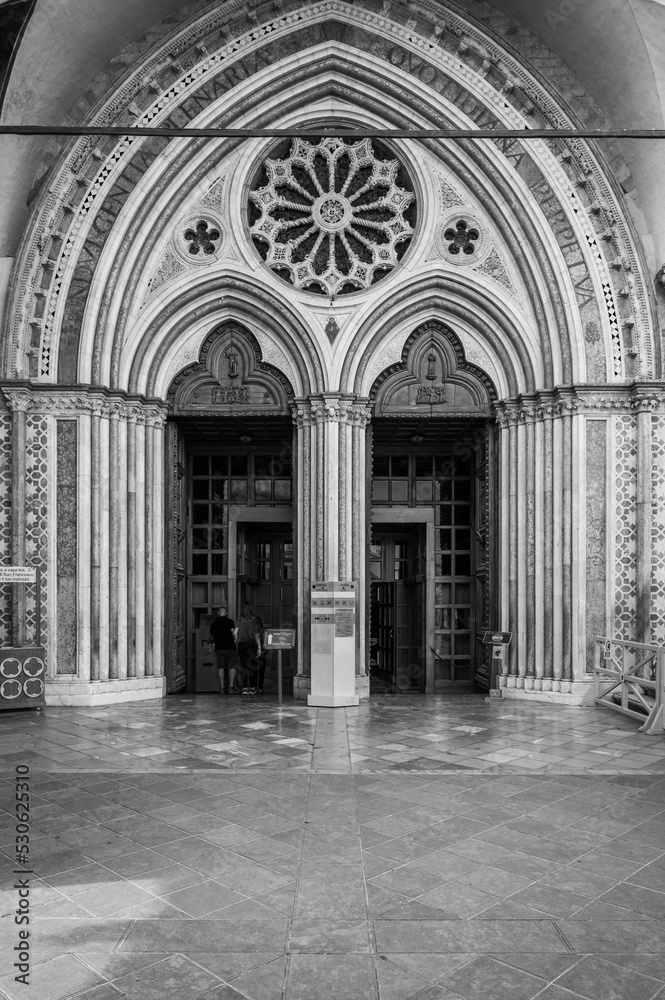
[
  {"x": 430, "y": 554},
  {"x": 397, "y": 609},
  {"x": 229, "y": 503}
]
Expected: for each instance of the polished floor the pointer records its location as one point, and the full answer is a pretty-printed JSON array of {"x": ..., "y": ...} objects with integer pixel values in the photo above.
[{"x": 440, "y": 848}]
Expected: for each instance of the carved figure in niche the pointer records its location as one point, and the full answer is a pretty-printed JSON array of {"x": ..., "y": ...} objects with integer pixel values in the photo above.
[
  {"x": 232, "y": 357},
  {"x": 431, "y": 366},
  {"x": 431, "y": 394}
]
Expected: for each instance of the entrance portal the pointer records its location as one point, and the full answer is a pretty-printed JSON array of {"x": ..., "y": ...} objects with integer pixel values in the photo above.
[{"x": 231, "y": 528}]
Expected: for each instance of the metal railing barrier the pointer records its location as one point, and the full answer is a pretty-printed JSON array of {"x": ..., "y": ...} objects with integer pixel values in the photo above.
[{"x": 629, "y": 677}]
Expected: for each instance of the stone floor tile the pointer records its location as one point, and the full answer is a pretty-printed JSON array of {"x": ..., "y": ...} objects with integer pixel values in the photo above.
[
  {"x": 324, "y": 977},
  {"x": 104, "y": 992},
  {"x": 52, "y": 980},
  {"x": 329, "y": 936},
  {"x": 575, "y": 879},
  {"x": 545, "y": 967},
  {"x": 484, "y": 977},
  {"x": 323, "y": 900},
  {"x": 600, "y": 979},
  {"x": 550, "y": 899},
  {"x": 634, "y": 897},
  {"x": 603, "y": 937},
  {"x": 174, "y": 978},
  {"x": 264, "y": 983},
  {"x": 458, "y": 936},
  {"x": 494, "y": 881},
  {"x": 192, "y": 936},
  {"x": 113, "y": 966},
  {"x": 202, "y": 898},
  {"x": 649, "y": 877},
  {"x": 395, "y": 983},
  {"x": 457, "y": 900}
]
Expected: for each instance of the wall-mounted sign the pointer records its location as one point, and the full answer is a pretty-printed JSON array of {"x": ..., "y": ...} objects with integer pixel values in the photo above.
[
  {"x": 18, "y": 574},
  {"x": 343, "y": 624},
  {"x": 497, "y": 637}
]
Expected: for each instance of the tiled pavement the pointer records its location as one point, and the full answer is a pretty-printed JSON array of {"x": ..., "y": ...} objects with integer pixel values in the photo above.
[{"x": 433, "y": 848}]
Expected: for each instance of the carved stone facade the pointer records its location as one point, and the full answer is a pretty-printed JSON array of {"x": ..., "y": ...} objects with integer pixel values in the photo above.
[{"x": 497, "y": 289}]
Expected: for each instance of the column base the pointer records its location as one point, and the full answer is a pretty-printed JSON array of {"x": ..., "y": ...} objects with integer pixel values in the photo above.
[
  {"x": 362, "y": 687},
  {"x": 60, "y": 691},
  {"x": 332, "y": 700},
  {"x": 302, "y": 685},
  {"x": 546, "y": 690}
]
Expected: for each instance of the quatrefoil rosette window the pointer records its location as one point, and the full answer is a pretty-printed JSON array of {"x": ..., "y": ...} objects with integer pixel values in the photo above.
[
  {"x": 332, "y": 216},
  {"x": 462, "y": 238},
  {"x": 198, "y": 238}
]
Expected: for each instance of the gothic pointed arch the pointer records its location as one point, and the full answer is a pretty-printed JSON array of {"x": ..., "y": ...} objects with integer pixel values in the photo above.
[
  {"x": 83, "y": 277},
  {"x": 230, "y": 378}
]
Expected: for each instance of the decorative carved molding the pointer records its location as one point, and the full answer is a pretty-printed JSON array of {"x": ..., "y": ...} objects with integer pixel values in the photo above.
[
  {"x": 331, "y": 409},
  {"x": 572, "y": 400},
  {"x": 96, "y": 402}
]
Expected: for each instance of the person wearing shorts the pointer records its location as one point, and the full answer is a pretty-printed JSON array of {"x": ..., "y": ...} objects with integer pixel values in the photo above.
[
  {"x": 222, "y": 633},
  {"x": 248, "y": 634}
]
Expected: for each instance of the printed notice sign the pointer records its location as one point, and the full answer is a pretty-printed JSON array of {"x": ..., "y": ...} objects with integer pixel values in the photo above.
[
  {"x": 279, "y": 638},
  {"x": 18, "y": 574},
  {"x": 343, "y": 623}
]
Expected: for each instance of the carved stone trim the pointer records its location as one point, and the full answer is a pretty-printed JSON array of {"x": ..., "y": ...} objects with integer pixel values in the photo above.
[
  {"x": 98, "y": 402},
  {"x": 331, "y": 409}
]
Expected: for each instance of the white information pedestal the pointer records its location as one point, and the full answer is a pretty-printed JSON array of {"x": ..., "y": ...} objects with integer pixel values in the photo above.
[{"x": 333, "y": 644}]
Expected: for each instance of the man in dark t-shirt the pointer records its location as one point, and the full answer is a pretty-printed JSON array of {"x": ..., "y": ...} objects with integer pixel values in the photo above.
[{"x": 223, "y": 636}]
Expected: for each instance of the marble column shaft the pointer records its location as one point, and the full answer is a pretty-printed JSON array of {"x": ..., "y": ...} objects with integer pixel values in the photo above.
[
  {"x": 537, "y": 559},
  {"x": 330, "y": 488}
]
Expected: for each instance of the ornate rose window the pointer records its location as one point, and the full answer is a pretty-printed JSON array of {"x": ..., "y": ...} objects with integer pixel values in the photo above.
[{"x": 332, "y": 215}]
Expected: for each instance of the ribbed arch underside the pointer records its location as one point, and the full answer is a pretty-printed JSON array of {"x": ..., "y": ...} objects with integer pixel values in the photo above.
[{"x": 92, "y": 329}]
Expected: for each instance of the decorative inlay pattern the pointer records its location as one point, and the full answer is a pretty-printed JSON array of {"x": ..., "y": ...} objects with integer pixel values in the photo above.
[
  {"x": 493, "y": 267},
  {"x": 169, "y": 267},
  {"x": 332, "y": 216},
  {"x": 5, "y": 523},
  {"x": 658, "y": 529},
  {"x": 36, "y": 530},
  {"x": 625, "y": 562}
]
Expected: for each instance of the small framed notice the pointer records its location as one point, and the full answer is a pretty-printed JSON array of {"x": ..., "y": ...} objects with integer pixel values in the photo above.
[{"x": 18, "y": 574}]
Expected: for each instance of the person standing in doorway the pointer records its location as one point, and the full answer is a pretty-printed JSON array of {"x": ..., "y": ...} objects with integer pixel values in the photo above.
[
  {"x": 248, "y": 633},
  {"x": 222, "y": 633}
]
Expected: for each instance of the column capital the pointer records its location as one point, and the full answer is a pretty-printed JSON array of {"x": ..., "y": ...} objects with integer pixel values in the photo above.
[
  {"x": 331, "y": 408},
  {"x": 19, "y": 399}
]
